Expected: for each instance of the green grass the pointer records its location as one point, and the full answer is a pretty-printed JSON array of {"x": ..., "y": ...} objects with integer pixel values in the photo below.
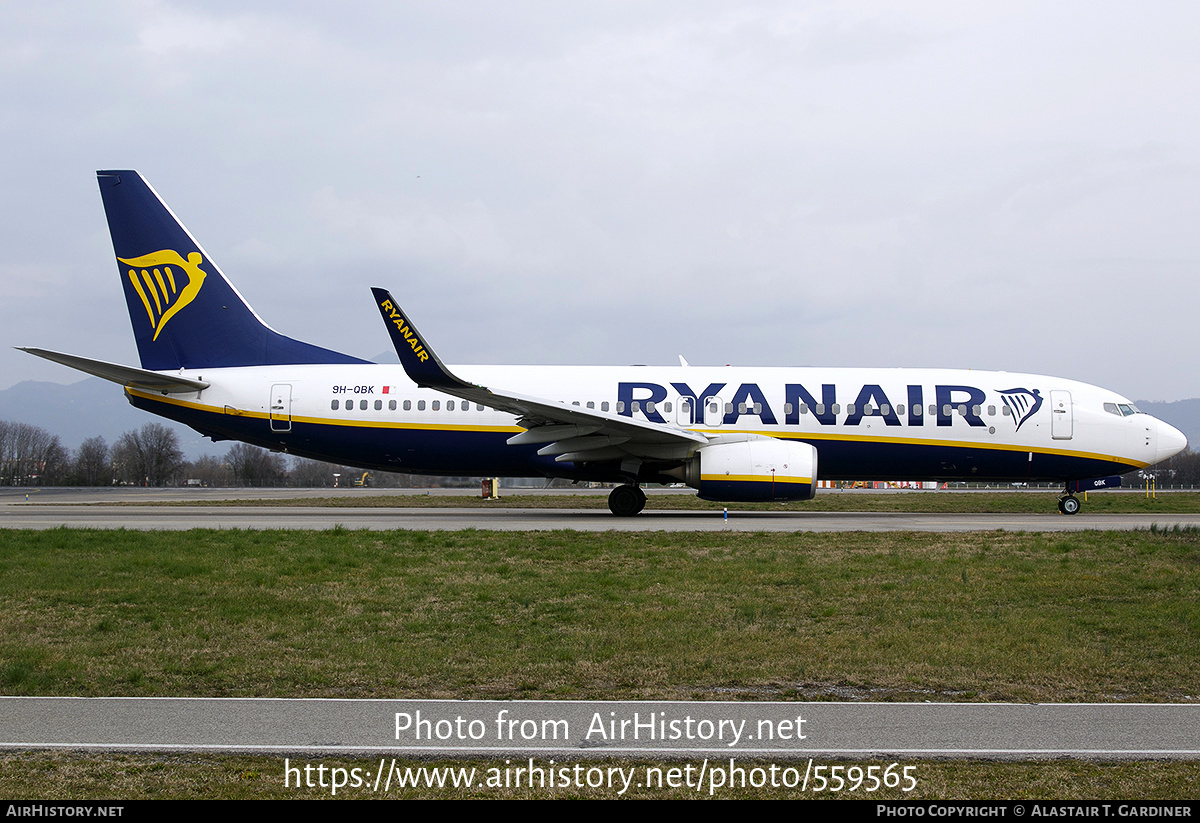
[{"x": 992, "y": 616}]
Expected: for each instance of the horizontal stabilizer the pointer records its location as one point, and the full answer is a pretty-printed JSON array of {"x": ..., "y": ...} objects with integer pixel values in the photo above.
[{"x": 123, "y": 375}]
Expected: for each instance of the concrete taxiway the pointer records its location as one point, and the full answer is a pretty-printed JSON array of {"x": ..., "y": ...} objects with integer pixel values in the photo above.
[
  {"x": 586, "y": 729},
  {"x": 113, "y": 508},
  {"x": 19, "y": 515}
]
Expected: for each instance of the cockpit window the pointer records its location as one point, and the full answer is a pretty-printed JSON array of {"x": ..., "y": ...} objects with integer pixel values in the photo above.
[{"x": 1122, "y": 409}]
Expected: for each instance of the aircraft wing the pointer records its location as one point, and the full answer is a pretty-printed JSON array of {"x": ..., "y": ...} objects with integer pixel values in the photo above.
[
  {"x": 572, "y": 433},
  {"x": 123, "y": 375}
]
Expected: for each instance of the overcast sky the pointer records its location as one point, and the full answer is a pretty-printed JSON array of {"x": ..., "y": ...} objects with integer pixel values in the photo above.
[{"x": 991, "y": 185}]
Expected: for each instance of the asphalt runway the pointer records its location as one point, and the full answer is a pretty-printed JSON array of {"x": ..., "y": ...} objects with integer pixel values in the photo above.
[
  {"x": 17, "y": 514},
  {"x": 589, "y": 729}
]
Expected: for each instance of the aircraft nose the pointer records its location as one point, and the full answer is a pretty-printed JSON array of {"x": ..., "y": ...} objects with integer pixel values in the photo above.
[{"x": 1170, "y": 441}]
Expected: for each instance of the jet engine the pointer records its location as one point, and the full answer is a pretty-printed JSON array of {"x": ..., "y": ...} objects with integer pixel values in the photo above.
[{"x": 752, "y": 469}]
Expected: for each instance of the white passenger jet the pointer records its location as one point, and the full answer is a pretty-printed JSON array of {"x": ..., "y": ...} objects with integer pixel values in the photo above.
[{"x": 735, "y": 434}]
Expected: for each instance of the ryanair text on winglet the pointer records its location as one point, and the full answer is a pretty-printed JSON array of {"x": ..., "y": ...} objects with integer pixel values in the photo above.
[{"x": 403, "y": 327}]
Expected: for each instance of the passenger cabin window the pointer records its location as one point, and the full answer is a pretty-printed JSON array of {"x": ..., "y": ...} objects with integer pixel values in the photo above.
[
  {"x": 420, "y": 405},
  {"x": 378, "y": 405},
  {"x": 604, "y": 405},
  {"x": 408, "y": 405},
  {"x": 391, "y": 405},
  {"x": 362, "y": 404},
  {"x": 436, "y": 405},
  {"x": 591, "y": 404},
  {"x": 449, "y": 405},
  {"x": 334, "y": 405}
]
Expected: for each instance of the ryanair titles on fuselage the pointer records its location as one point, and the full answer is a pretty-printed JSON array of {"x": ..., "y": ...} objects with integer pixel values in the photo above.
[{"x": 748, "y": 399}]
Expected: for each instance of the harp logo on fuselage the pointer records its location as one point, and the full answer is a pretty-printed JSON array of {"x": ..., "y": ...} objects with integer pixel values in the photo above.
[
  {"x": 1022, "y": 402},
  {"x": 158, "y": 279}
]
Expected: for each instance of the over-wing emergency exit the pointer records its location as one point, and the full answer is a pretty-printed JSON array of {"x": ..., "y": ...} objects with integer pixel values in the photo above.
[{"x": 734, "y": 434}]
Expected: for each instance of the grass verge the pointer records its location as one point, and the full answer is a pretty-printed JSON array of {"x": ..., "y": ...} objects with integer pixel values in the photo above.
[{"x": 1084, "y": 616}]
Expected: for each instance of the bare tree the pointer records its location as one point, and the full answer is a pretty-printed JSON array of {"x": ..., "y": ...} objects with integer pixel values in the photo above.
[
  {"x": 147, "y": 456},
  {"x": 208, "y": 471},
  {"x": 30, "y": 454},
  {"x": 253, "y": 466},
  {"x": 92, "y": 467}
]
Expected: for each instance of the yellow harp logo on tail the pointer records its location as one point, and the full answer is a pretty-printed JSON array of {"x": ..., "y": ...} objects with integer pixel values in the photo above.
[{"x": 156, "y": 279}]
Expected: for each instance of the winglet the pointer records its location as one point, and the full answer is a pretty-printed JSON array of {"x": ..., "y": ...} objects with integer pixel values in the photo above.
[{"x": 423, "y": 366}]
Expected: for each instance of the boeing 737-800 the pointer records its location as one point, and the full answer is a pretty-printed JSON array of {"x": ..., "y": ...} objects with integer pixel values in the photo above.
[{"x": 735, "y": 434}]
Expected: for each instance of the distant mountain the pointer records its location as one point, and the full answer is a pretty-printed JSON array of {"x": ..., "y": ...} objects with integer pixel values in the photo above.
[
  {"x": 88, "y": 408},
  {"x": 1182, "y": 414}
]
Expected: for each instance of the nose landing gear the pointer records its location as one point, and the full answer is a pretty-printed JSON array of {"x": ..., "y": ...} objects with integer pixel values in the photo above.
[{"x": 1069, "y": 504}]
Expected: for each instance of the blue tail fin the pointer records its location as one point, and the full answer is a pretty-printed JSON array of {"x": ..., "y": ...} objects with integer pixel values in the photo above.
[{"x": 185, "y": 313}]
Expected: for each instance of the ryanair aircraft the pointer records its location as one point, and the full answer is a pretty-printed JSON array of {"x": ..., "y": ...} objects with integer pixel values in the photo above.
[{"x": 735, "y": 434}]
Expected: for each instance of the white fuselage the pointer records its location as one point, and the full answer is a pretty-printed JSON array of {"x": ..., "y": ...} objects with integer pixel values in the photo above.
[{"x": 865, "y": 423}]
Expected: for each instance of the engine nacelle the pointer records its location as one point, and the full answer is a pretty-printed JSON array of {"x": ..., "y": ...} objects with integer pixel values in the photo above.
[{"x": 757, "y": 469}]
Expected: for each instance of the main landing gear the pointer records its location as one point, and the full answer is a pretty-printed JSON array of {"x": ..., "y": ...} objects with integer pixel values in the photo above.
[
  {"x": 626, "y": 501},
  {"x": 1068, "y": 504}
]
